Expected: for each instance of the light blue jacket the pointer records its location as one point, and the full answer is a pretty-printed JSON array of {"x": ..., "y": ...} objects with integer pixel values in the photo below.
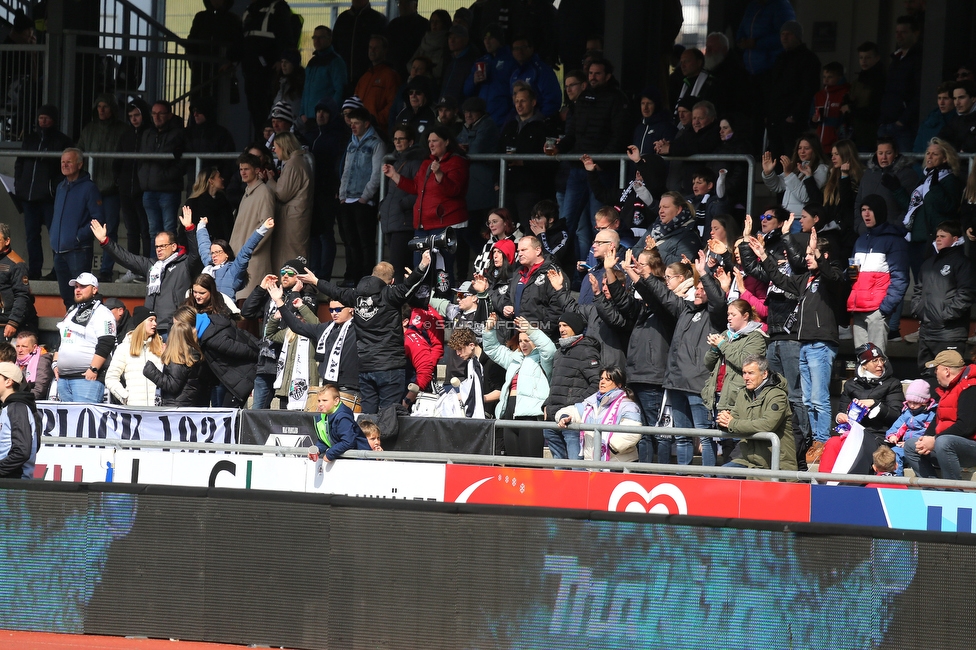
[
  {"x": 325, "y": 76},
  {"x": 363, "y": 167},
  {"x": 231, "y": 277},
  {"x": 533, "y": 371}
]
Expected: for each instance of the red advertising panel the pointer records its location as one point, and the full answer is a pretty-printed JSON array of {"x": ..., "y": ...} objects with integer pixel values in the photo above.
[
  {"x": 774, "y": 501},
  {"x": 666, "y": 495},
  {"x": 513, "y": 486}
]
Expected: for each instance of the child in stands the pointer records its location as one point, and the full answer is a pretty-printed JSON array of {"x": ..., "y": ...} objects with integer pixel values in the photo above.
[{"x": 917, "y": 413}]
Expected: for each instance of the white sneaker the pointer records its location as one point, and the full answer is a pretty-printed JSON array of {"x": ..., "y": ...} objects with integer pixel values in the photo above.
[
  {"x": 128, "y": 276},
  {"x": 910, "y": 338},
  {"x": 845, "y": 333}
]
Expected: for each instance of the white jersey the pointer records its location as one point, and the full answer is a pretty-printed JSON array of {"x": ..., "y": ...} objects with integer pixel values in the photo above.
[{"x": 78, "y": 341}]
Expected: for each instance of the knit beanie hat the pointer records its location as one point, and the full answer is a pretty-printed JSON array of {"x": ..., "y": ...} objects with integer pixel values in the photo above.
[
  {"x": 878, "y": 206},
  {"x": 298, "y": 264},
  {"x": 918, "y": 391},
  {"x": 353, "y": 102},
  {"x": 574, "y": 320},
  {"x": 507, "y": 247},
  {"x": 282, "y": 111},
  {"x": 794, "y": 27}
]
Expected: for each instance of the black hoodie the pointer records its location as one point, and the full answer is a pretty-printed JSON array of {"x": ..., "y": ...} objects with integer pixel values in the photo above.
[
  {"x": 127, "y": 176},
  {"x": 36, "y": 179},
  {"x": 18, "y": 410}
]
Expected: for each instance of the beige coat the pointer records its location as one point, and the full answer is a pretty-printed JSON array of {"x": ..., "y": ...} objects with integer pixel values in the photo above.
[
  {"x": 257, "y": 206},
  {"x": 294, "y": 218}
]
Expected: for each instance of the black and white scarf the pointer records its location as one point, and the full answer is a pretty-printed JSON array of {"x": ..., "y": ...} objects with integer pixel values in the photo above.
[
  {"x": 156, "y": 274},
  {"x": 84, "y": 310}
]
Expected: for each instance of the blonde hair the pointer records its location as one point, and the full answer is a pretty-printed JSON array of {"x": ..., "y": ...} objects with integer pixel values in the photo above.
[
  {"x": 952, "y": 158},
  {"x": 138, "y": 339},
  {"x": 202, "y": 184},
  {"x": 848, "y": 154},
  {"x": 969, "y": 195},
  {"x": 288, "y": 143},
  {"x": 181, "y": 346},
  {"x": 369, "y": 428}
]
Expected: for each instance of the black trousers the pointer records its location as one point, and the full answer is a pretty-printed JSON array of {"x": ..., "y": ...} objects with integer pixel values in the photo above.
[
  {"x": 357, "y": 226},
  {"x": 522, "y": 442}
]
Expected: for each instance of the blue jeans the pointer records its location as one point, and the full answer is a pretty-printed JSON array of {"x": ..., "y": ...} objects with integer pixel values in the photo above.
[
  {"x": 379, "y": 389},
  {"x": 161, "y": 208},
  {"x": 263, "y": 391},
  {"x": 649, "y": 398},
  {"x": 68, "y": 266},
  {"x": 688, "y": 412},
  {"x": 784, "y": 359},
  {"x": 112, "y": 208},
  {"x": 81, "y": 390},
  {"x": 36, "y": 215},
  {"x": 816, "y": 367},
  {"x": 577, "y": 199},
  {"x": 950, "y": 454},
  {"x": 563, "y": 443}
]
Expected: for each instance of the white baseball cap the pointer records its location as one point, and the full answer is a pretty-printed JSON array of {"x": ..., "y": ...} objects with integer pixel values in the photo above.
[{"x": 85, "y": 279}]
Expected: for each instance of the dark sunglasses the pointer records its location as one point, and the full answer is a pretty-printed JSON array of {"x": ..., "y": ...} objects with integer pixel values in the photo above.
[{"x": 288, "y": 272}]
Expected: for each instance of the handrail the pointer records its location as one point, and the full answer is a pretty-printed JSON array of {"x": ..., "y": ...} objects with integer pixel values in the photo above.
[
  {"x": 773, "y": 439},
  {"x": 519, "y": 461},
  {"x": 502, "y": 160}
]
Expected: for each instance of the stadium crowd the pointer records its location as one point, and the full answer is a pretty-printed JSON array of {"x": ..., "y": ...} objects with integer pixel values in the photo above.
[{"x": 658, "y": 303}]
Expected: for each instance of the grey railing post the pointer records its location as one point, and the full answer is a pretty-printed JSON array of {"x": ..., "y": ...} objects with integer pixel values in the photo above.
[{"x": 502, "y": 180}]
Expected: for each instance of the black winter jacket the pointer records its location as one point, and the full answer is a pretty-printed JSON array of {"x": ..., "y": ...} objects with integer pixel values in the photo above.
[
  {"x": 348, "y": 376},
  {"x": 16, "y": 299},
  {"x": 612, "y": 335},
  {"x": 379, "y": 329},
  {"x": 601, "y": 123},
  {"x": 177, "y": 278},
  {"x": 538, "y": 303},
  {"x": 944, "y": 295},
  {"x": 887, "y": 393},
  {"x": 232, "y": 354},
  {"x": 793, "y": 81},
  {"x": 181, "y": 385},
  {"x": 651, "y": 331},
  {"x": 163, "y": 175},
  {"x": 127, "y": 171},
  {"x": 781, "y": 304},
  {"x": 575, "y": 375},
  {"x": 37, "y": 179},
  {"x": 530, "y": 138},
  {"x": 686, "y": 369},
  {"x": 817, "y": 290}
]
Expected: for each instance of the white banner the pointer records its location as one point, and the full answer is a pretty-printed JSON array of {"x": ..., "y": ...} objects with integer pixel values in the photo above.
[{"x": 73, "y": 420}]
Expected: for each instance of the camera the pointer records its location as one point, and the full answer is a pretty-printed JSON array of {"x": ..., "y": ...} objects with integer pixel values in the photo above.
[{"x": 445, "y": 242}]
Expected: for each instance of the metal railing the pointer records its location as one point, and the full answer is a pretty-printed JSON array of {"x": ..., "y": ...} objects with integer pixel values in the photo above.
[
  {"x": 503, "y": 159},
  {"x": 519, "y": 461},
  {"x": 23, "y": 88},
  {"x": 94, "y": 156}
]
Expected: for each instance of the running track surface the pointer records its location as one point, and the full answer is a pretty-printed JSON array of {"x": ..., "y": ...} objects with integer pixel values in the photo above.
[{"x": 45, "y": 641}]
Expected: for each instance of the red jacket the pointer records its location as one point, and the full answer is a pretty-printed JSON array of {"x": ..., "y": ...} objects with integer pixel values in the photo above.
[
  {"x": 829, "y": 101},
  {"x": 420, "y": 356},
  {"x": 439, "y": 204},
  {"x": 946, "y": 411}
]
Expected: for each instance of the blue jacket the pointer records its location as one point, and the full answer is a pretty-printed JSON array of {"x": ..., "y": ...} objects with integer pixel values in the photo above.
[
  {"x": 456, "y": 71},
  {"x": 915, "y": 425},
  {"x": 361, "y": 170},
  {"x": 762, "y": 21},
  {"x": 231, "y": 277},
  {"x": 325, "y": 76},
  {"x": 931, "y": 127},
  {"x": 882, "y": 253},
  {"x": 341, "y": 434},
  {"x": 75, "y": 205},
  {"x": 538, "y": 74},
  {"x": 496, "y": 89},
  {"x": 533, "y": 372}
]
